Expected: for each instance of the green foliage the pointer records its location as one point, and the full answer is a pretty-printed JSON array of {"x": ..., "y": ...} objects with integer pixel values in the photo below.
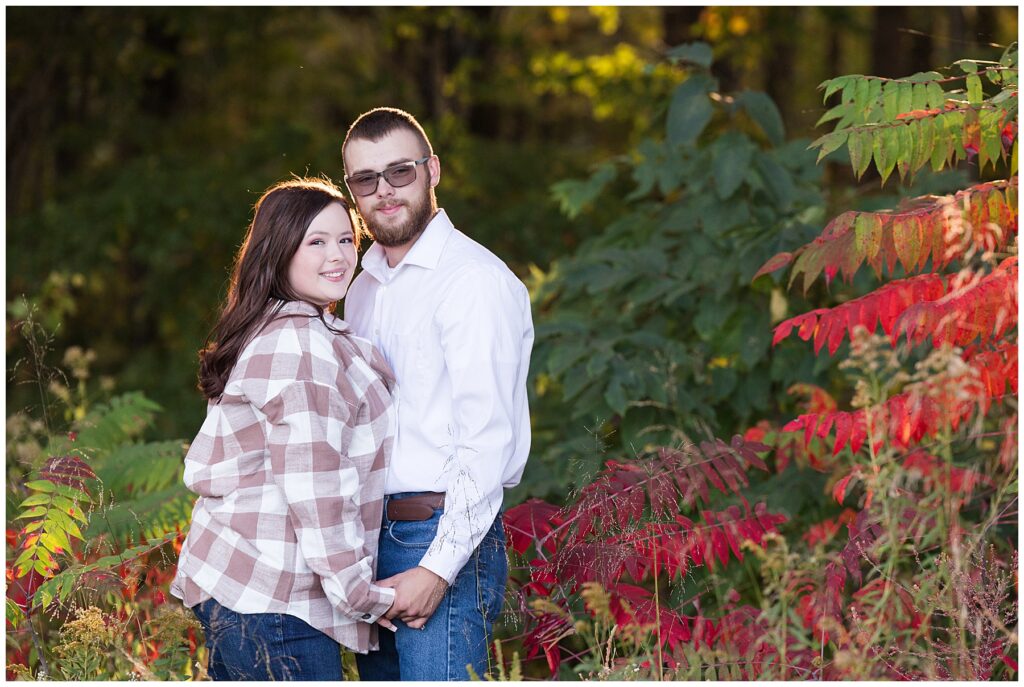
[
  {"x": 917, "y": 122},
  {"x": 646, "y": 332},
  {"x": 98, "y": 506}
]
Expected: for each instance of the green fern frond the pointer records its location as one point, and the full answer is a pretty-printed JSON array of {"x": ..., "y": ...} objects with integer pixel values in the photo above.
[
  {"x": 140, "y": 468},
  {"x": 111, "y": 424},
  {"x": 146, "y": 516}
]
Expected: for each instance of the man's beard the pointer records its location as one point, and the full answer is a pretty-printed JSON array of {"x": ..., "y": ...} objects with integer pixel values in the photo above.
[{"x": 392, "y": 235}]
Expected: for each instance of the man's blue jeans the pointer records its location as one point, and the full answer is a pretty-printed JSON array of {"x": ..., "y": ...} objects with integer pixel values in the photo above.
[
  {"x": 459, "y": 632},
  {"x": 266, "y": 646}
]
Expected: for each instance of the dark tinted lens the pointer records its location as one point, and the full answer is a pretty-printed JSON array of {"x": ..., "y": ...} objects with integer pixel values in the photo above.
[
  {"x": 363, "y": 184},
  {"x": 400, "y": 176}
]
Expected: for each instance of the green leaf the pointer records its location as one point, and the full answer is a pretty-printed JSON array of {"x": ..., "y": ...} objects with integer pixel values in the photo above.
[
  {"x": 574, "y": 195},
  {"x": 867, "y": 229},
  {"x": 920, "y": 98},
  {"x": 873, "y": 107},
  {"x": 44, "y": 595},
  {"x": 861, "y": 97},
  {"x": 692, "y": 53},
  {"x": 43, "y": 485},
  {"x": 905, "y": 98},
  {"x": 834, "y": 113},
  {"x": 690, "y": 109},
  {"x": 53, "y": 542},
  {"x": 833, "y": 85},
  {"x": 615, "y": 396},
  {"x": 15, "y": 616},
  {"x": 71, "y": 508},
  {"x": 936, "y": 96},
  {"x": 72, "y": 493},
  {"x": 35, "y": 500},
  {"x": 776, "y": 179},
  {"x": 941, "y": 144},
  {"x": 765, "y": 114},
  {"x": 886, "y": 148},
  {"x": 25, "y": 556},
  {"x": 975, "y": 94},
  {"x": 860, "y": 151},
  {"x": 33, "y": 513},
  {"x": 731, "y": 162},
  {"x": 921, "y": 130},
  {"x": 906, "y": 149},
  {"x": 967, "y": 66},
  {"x": 891, "y": 99},
  {"x": 830, "y": 142}
]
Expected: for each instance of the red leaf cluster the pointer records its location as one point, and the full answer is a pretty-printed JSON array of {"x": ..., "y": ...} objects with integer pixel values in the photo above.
[
  {"x": 934, "y": 471},
  {"x": 69, "y": 470},
  {"x": 904, "y": 419},
  {"x": 882, "y": 306},
  {"x": 982, "y": 307},
  {"x": 940, "y": 228}
]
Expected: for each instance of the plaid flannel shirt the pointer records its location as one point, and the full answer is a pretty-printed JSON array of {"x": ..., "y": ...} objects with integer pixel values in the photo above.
[{"x": 289, "y": 467}]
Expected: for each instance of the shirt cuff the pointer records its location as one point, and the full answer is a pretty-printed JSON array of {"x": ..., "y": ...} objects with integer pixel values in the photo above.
[
  {"x": 383, "y": 597},
  {"x": 442, "y": 565}
]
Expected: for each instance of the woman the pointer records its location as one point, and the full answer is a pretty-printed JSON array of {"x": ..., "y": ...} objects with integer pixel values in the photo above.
[{"x": 290, "y": 463}]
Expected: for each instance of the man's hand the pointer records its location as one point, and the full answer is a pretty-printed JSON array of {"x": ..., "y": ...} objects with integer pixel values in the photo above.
[{"x": 418, "y": 592}]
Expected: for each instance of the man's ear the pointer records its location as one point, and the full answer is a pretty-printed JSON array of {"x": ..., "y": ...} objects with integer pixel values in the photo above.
[{"x": 434, "y": 165}]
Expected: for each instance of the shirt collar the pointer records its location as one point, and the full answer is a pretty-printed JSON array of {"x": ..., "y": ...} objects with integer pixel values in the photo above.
[
  {"x": 289, "y": 308},
  {"x": 425, "y": 252}
]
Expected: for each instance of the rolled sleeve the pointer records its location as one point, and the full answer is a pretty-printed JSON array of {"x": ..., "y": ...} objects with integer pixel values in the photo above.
[{"x": 311, "y": 432}]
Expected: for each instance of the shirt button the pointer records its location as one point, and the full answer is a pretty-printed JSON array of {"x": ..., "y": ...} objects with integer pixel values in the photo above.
[{"x": 366, "y": 616}]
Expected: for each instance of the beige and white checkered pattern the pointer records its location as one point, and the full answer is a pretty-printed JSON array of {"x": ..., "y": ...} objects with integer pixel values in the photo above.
[{"x": 290, "y": 467}]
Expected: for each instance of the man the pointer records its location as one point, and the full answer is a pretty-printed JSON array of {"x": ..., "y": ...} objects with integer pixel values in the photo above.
[{"x": 455, "y": 325}]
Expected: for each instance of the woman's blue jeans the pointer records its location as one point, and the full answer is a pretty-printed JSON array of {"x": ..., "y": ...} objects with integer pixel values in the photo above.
[
  {"x": 459, "y": 633},
  {"x": 265, "y": 646}
]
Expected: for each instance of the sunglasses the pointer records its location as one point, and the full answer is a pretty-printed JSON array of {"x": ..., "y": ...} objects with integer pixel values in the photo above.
[{"x": 402, "y": 174}]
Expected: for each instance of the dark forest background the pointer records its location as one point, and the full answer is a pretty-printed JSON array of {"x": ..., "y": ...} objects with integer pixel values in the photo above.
[{"x": 138, "y": 140}]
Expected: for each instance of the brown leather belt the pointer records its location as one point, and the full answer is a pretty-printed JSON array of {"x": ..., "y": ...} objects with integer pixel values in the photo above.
[{"x": 419, "y": 507}]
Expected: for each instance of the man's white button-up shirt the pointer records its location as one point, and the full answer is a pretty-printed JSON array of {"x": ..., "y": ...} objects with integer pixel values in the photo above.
[{"x": 454, "y": 323}]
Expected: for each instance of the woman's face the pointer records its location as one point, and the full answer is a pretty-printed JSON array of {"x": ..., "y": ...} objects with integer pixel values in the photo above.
[{"x": 322, "y": 267}]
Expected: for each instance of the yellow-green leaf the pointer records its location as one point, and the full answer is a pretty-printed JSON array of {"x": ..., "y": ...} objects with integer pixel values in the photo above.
[
  {"x": 885, "y": 149},
  {"x": 867, "y": 230},
  {"x": 890, "y": 99},
  {"x": 71, "y": 508},
  {"x": 33, "y": 513},
  {"x": 975, "y": 93},
  {"x": 940, "y": 144},
  {"x": 906, "y": 151},
  {"x": 920, "y": 99},
  {"x": 905, "y": 96},
  {"x": 35, "y": 500},
  {"x": 922, "y": 132},
  {"x": 15, "y": 615},
  {"x": 860, "y": 151},
  {"x": 830, "y": 142},
  {"x": 51, "y": 541},
  {"x": 42, "y": 485}
]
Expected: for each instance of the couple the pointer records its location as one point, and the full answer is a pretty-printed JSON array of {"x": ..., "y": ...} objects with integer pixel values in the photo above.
[{"x": 350, "y": 472}]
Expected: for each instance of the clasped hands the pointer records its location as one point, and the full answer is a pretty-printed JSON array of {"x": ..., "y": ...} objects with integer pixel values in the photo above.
[{"x": 418, "y": 592}]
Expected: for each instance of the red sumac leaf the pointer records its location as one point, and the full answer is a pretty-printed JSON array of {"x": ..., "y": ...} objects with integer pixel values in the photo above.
[
  {"x": 774, "y": 263},
  {"x": 839, "y": 490}
]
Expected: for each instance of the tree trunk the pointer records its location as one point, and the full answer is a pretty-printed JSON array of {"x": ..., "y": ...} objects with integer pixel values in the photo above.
[{"x": 888, "y": 44}]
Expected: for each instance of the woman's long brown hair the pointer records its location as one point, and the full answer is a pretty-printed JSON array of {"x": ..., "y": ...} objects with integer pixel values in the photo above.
[{"x": 259, "y": 278}]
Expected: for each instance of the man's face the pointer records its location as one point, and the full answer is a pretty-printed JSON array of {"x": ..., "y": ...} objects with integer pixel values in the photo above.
[{"x": 394, "y": 216}]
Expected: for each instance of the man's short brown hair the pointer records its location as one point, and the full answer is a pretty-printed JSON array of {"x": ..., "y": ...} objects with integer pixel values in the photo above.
[{"x": 381, "y": 121}]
